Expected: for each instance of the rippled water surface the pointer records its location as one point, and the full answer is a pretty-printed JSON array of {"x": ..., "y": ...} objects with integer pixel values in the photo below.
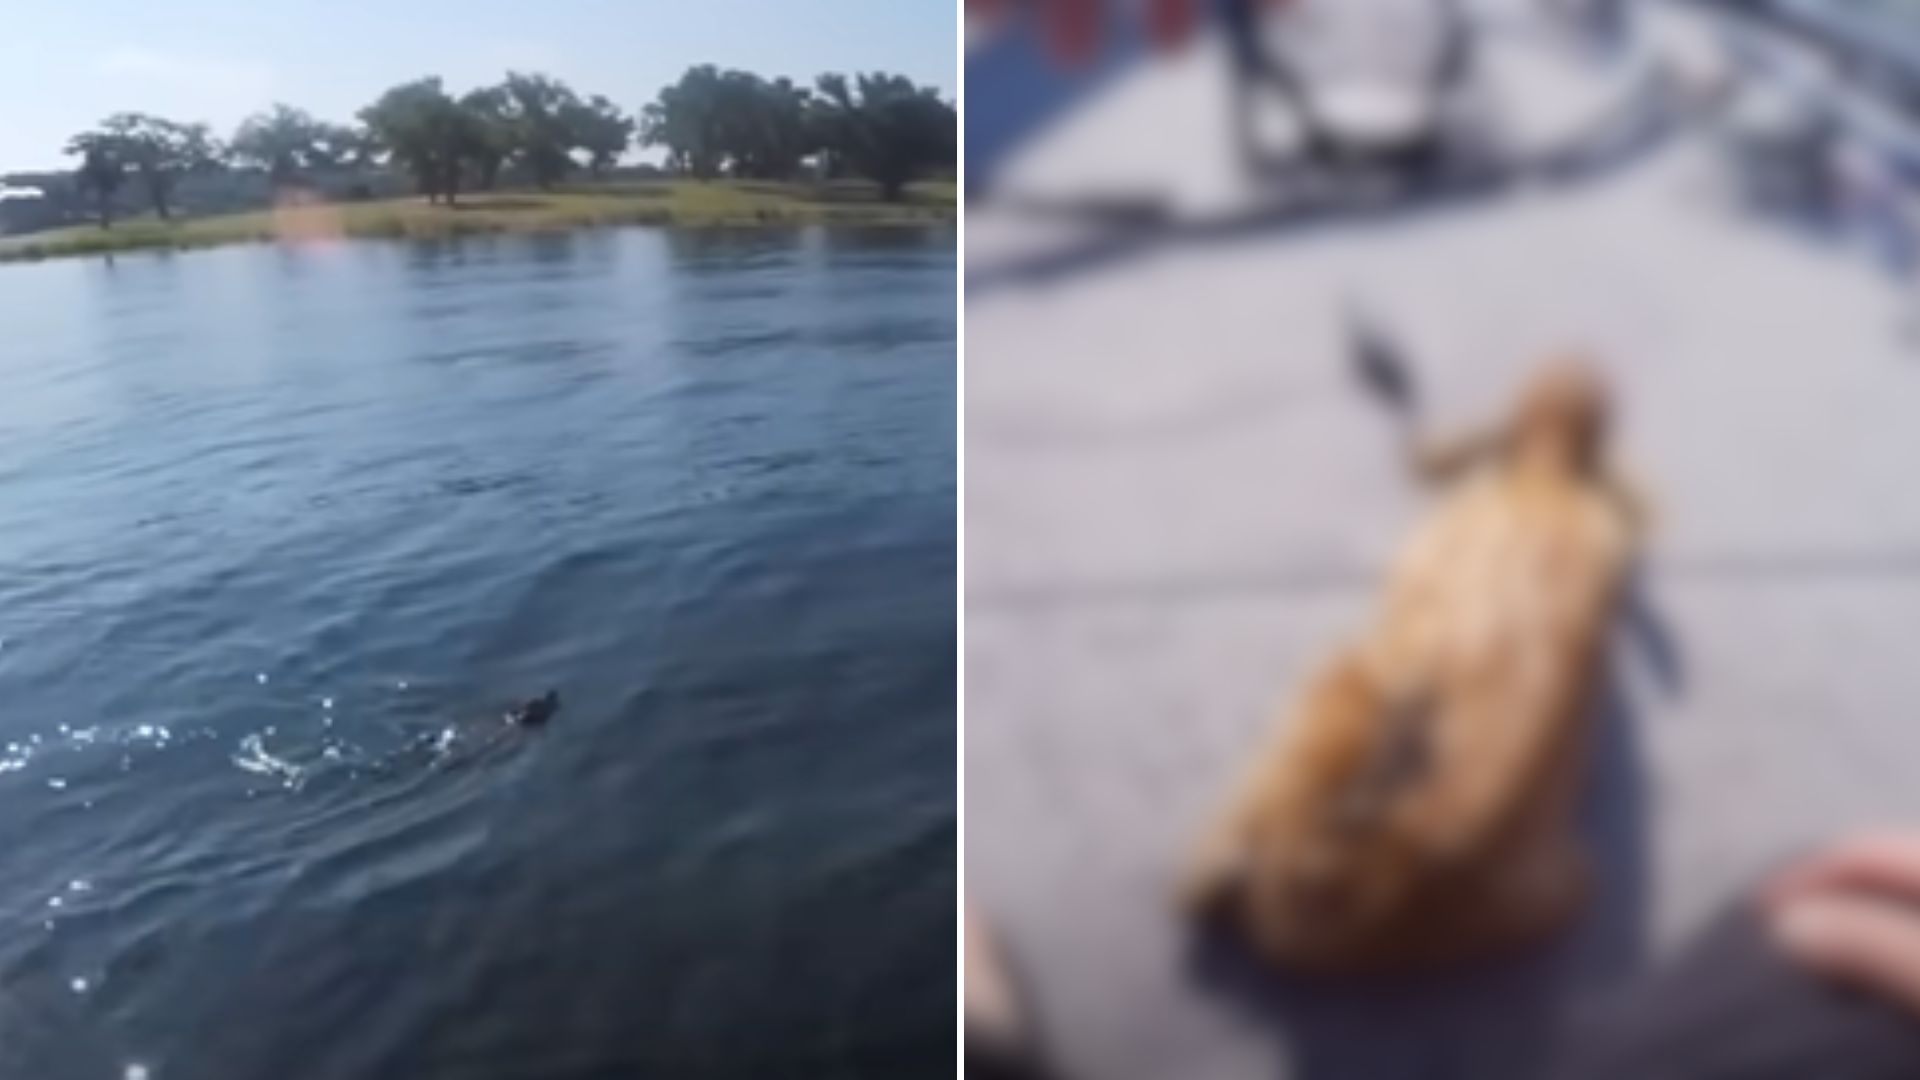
[{"x": 282, "y": 534}]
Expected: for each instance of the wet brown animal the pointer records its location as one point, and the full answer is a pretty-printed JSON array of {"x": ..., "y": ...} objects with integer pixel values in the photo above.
[{"x": 1417, "y": 807}]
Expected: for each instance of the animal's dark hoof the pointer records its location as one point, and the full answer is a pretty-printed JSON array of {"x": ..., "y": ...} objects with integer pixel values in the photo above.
[{"x": 537, "y": 711}]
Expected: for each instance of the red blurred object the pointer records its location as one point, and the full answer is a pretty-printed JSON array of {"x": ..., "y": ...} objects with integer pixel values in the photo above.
[
  {"x": 1072, "y": 29},
  {"x": 1170, "y": 23}
]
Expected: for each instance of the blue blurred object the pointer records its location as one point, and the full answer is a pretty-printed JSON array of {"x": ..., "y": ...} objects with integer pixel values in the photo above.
[{"x": 1015, "y": 90}]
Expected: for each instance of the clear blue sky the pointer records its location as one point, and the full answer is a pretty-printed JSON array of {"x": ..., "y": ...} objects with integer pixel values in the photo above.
[{"x": 66, "y": 65}]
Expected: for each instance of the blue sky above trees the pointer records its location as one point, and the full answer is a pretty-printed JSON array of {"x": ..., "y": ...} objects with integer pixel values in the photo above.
[{"x": 64, "y": 67}]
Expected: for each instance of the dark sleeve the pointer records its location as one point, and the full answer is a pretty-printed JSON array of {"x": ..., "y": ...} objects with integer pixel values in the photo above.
[
  {"x": 1731, "y": 1006},
  {"x": 990, "y": 1059}
]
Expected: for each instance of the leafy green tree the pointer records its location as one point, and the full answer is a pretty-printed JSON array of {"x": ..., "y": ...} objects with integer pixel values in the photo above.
[
  {"x": 684, "y": 120},
  {"x": 101, "y": 171},
  {"x": 426, "y": 132},
  {"x": 494, "y": 134},
  {"x": 714, "y": 121},
  {"x": 600, "y": 129},
  {"x": 159, "y": 151},
  {"x": 886, "y": 129},
  {"x": 824, "y": 120},
  {"x": 343, "y": 146},
  {"x": 739, "y": 118},
  {"x": 763, "y": 129},
  {"x": 284, "y": 141},
  {"x": 544, "y": 113},
  {"x": 791, "y": 134}
]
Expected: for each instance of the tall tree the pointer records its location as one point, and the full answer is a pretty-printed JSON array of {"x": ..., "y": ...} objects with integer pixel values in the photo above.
[
  {"x": 544, "y": 113},
  {"x": 791, "y": 134},
  {"x": 284, "y": 141},
  {"x": 101, "y": 171},
  {"x": 426, "y": 132},
  {"x": 684, "y": 119},
  {"x": 887, "y": 129},
  {"x": 159, "y": 151},
  {"x": 714, "y": 121},
  {"x": 602, "y": 131},
  {"x": 761, "y": 126},
  {"x": 343, "y": 146},
  {"x": 494, "y": 135}
]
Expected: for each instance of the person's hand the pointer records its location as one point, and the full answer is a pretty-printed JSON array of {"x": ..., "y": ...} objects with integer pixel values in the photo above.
[
  {"x": 989, "y": 1004},
  {"x": 1852, "y": 912}
]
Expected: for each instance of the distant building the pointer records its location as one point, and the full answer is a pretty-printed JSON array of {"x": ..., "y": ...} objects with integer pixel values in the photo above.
[{"x": 28, "y": 207}]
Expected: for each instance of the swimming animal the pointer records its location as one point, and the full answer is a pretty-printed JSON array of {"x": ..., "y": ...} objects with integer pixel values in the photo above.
[{"x": 535, "y": 712}]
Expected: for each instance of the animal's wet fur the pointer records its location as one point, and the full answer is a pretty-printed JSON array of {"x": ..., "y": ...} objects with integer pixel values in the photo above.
[{"x": 1417, "y": 808}]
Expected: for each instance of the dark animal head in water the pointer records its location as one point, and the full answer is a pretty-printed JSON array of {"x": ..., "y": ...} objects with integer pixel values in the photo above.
[{"x": 536, "y": 711}]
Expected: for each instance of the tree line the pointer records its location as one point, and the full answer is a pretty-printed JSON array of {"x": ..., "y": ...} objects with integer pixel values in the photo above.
[{"x": 710, "y": 123}]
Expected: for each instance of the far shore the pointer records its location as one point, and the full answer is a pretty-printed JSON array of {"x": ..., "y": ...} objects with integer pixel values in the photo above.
[{"x": 688, "y": 203}]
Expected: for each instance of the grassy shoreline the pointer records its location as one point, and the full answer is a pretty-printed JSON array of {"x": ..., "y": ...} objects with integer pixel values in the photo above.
[{"x": 684, "y": 203}]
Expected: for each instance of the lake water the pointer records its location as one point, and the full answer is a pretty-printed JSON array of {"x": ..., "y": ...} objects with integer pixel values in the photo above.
[{"x": 283, "y": 533}]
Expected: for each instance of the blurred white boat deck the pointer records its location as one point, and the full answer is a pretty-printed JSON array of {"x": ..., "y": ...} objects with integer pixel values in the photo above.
[{"x": 1176, "y": 501}]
